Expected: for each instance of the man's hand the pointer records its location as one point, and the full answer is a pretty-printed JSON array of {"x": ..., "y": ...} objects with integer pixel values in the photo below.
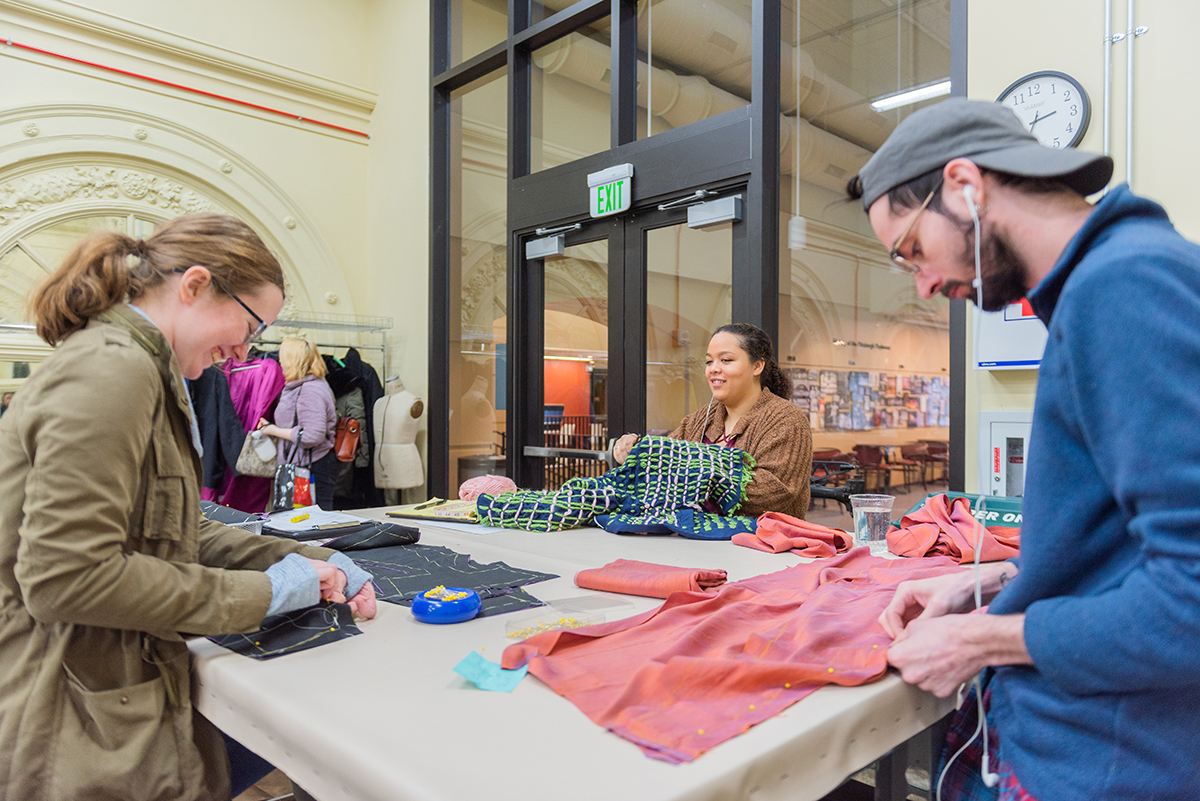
[
  {"x": 940, "y": 653},
  {"x": 927, "y": 598},
  {"x": 943, "y": 595}
]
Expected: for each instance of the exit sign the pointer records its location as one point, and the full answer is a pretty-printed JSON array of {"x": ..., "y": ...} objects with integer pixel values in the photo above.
[{"x": 610, "y": 191}]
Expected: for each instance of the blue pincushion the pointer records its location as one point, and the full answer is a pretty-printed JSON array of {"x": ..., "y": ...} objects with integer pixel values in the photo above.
[{"x": 446, "y": 605}]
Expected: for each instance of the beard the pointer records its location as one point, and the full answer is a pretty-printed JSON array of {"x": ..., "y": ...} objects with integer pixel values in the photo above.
[{"x": 1002, "y": 269}]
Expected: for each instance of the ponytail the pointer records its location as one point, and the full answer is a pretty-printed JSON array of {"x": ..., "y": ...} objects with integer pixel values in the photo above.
[
  {"x": 107, "y": 268},
  {"x": 758, "y": 347},
  {"x": 95, "y": 276},
  {"x": 773, "y": 379}
]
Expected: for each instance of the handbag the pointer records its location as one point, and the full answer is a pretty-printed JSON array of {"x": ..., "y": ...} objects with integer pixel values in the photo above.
[
  {"x": 347, "y": 441},
  {"x": 257, "y": 457},
  {"x": 293, "y": 483}
]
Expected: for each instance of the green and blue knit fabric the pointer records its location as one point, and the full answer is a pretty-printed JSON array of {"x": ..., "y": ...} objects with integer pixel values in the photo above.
[{"x": 662, "y": 488}]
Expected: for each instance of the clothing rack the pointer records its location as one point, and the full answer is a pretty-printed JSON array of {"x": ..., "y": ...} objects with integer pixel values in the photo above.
[{"x": 352, "y": 323}]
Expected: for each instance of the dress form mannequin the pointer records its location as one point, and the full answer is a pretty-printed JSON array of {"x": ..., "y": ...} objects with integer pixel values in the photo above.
[
  {"x": 477, "y": 418},
  {"x": 397, "y": 460}
]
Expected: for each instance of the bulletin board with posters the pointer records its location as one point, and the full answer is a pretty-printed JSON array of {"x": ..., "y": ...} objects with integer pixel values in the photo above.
[
  {"x": 1010, "y": 339},
  {"x": 861, "y": 400}
]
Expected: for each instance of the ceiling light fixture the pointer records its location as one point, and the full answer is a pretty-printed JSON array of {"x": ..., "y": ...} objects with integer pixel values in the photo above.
[{"x": 909, "y": 96}]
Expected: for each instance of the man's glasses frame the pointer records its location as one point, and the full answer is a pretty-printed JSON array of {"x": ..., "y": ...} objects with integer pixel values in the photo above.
[{"x": 911, "y": 267}]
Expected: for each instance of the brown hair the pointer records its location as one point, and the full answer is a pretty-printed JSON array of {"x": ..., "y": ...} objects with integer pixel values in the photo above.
[
  {"x": 299, "y": 357},
  {"x": 758, "y": 347},
  {"x": 99, "y": 272}
]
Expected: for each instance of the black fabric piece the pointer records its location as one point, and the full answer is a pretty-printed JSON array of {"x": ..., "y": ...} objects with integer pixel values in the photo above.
[
  {"x": 380, "y": 535},
  {"x": 294, "y": 631},
  {"x": 221, "y": 431},
  {"x": 226, "y": 514},
  {"x": 400, "y": 573}
]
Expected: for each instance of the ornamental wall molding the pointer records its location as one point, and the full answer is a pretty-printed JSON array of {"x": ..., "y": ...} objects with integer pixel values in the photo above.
[
  {"x": 92, "y": 185},
  {"x": 89, "y": 160},
  {"x": 160, "y": 54}
]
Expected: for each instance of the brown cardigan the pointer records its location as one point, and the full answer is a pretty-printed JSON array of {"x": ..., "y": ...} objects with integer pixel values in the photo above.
[{"x": 776, "y": 433}]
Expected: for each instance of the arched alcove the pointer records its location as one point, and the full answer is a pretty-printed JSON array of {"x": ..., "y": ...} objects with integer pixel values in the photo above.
[{"x": 64, "y": 163}]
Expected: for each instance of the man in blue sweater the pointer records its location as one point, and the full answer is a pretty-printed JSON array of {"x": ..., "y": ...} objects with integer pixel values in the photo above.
[{"x": 1094, "y": 633}]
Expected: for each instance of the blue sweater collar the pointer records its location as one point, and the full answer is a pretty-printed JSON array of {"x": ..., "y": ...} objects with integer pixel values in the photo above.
[{"x": 1117, "y": 205}]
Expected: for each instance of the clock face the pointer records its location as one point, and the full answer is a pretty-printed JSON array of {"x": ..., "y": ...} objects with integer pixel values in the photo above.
[{"x": 1052, "y": 106}]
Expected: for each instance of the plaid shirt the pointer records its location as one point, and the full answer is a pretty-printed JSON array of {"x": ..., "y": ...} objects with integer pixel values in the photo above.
[{"x": 963, "y": 781}]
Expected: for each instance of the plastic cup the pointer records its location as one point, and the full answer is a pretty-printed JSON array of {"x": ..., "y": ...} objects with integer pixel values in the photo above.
[{"x": 872, "y": 519}]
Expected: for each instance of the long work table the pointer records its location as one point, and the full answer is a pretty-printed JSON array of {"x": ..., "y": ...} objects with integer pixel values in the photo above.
[{"x": 382, "y": 717}]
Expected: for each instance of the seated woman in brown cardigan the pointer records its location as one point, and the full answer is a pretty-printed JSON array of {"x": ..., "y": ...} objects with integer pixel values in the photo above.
[{"x": 750, "y": 411}]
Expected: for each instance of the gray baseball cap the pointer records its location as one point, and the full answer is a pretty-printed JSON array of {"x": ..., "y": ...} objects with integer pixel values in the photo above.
[{"x": 988, "y": 134}]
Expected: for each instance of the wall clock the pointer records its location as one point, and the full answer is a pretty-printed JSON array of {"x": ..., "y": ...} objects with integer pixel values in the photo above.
[{"x": 1052, "y": 105}]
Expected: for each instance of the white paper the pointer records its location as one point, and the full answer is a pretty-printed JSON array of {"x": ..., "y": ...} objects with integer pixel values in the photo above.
[{"x": 317, "y": 517}]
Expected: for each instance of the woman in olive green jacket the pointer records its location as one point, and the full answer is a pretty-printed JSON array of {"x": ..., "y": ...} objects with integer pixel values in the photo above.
[{"x": 105, "y": 562}]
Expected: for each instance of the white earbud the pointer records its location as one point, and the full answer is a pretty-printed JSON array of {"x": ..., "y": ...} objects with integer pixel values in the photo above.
[{"x": 968, "y": 193}]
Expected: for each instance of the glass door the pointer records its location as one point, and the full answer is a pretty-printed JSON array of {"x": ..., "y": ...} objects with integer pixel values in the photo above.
[
  {"x": 612, "y": 340},
  {"x": 689, "y": 295}
]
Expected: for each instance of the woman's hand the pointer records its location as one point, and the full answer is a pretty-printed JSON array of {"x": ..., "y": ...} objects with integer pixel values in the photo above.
[
  {"x": 333, "y": 581},
  {"x": 262, "y": 422},
  {"x": 622, "y": 447},
  {"x": 362, "y": 605}
]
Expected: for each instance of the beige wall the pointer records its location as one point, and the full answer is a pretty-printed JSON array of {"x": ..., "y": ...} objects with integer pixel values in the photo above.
[
  {"x": 1007, "y": 40},
  {"x": 349, "y": 215}
]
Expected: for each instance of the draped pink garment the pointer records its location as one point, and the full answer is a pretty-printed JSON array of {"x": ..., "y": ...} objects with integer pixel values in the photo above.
[
  {"x": 254, "y": 392},
  {"x": 944, "y": 527},
  {"x": 645, "y": 578},
  {"x": 777, "y": 532},
  {"x": 705, "y": 666}
]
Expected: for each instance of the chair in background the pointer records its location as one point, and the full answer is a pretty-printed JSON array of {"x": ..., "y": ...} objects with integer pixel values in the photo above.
[
  {"x": 914, "y": 460},
  {"x": 939, "y": 454},
  {"x": 874, "y": 467}
]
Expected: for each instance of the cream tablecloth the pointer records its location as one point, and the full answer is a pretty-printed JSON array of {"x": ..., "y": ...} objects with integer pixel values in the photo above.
[{"x": 381, "y": 716}]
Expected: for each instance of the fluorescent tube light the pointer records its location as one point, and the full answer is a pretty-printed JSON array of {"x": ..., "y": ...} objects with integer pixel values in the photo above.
[{"x": 926, "y": 92}]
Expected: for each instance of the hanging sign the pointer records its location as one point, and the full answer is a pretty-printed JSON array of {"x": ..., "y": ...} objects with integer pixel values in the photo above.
[{"x": 610, "y": 191}]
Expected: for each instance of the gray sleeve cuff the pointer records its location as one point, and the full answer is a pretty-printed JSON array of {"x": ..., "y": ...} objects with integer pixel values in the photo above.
[
  {"x": 294, "y": 584},
  {"x": 356, "y": 577}
]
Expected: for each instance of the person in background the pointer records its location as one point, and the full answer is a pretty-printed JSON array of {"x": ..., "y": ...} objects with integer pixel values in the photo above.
[
  {"x": 306, "y": 417},
  {"x": 105, "y": 561},
  {"x": 1091, "y": 636},
  {"x": 8, "y": 397},
  {"x": 750, "y": 410}
]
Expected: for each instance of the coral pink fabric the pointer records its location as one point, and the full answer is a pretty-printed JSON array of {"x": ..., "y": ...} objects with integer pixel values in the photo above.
[
  {"x": 777, "y": 532},
  {"x": 472, "y": 488},
  {"x": 648, "y": 579},
  {"x": 706, "y": 666},
  {"x": 944, "y": 527}
]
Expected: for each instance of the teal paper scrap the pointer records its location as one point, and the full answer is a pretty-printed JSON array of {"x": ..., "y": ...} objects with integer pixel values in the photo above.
[{"x": 488, "y": 675}]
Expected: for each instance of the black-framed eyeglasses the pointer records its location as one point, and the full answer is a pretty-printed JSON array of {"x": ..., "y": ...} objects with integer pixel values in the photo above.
[
  {"x": 911, "y": 267},
  {"x": 262, "y": 324}
]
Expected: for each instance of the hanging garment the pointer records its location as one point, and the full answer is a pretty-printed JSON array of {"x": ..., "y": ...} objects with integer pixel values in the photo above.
[
  {"x": 365, "y": 494},
  {"x": 706, "y": 666},
  {"x": 777, "y": 532},
  {"x": 647, "y": 579},
  {"x": 254, "y": 388},
  {"x": 221, "y": 431},
  {"x": 944, "y": 527},
  {"x": 661, "y": 489}
]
